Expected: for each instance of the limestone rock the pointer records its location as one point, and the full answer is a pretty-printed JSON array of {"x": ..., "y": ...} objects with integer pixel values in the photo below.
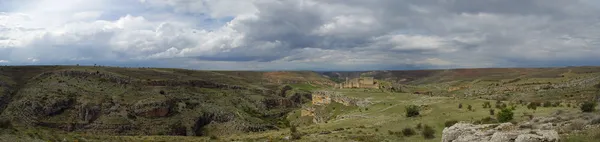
[
  {"x": 504, "y": 136},
  {"x": 539, "y": 136},
  {"x": 505, "y": 132}
]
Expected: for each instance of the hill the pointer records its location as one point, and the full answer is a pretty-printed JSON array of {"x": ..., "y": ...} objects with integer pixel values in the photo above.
[
  {"x": 150, "y": 101},
  {"x": 39, "y": 103}
]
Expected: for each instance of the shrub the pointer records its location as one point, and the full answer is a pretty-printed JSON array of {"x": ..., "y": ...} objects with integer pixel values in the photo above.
[
  {"x": 568, "y": 105},
  {"x": 486, "y": 105},
  {"x": 5, "y": 124},
  {"x": 577, "y": 125},
  {"x": 556, "y": 104},
  {"x": 532, "y": 105},
  {"x": 412, "y": 110},
  {"x": 548, "y": 104},
  {"x": 492, "y": 112},
  {"x": 449, "y": 123},
  {"x": 408, "y": 132},
  {"x": 161, "y": 92},
  {"x": 487, "y": 120},
  {"x": 595, "y": 120},
  {"x": 499, "y": 104},
  {"x": 214, "y": 137},
  {"x": 460, "y": 105},
  {"x": 294, "y": 132},
  {"x": 588, "y": 106},
  {"x": 419, "y": 126},
  {"x": 505, "y": 115},
  {"x": 469, "y": 107},
  {"x": 428, "y": 132}
]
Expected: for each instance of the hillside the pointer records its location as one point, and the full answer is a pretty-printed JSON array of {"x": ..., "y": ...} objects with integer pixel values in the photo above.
[
  {"x": 149, "y": 101},
  {"x": 570, "y": 83},
  {"x": 39, "y": 103}
]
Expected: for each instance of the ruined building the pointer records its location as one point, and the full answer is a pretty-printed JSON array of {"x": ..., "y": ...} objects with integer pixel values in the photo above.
[{"x": 362, "y": 82}]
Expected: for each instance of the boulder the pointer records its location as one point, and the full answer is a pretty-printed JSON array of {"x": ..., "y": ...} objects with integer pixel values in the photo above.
[
  {"x": 504, "y": 136},
  {"x": 505, "y": 132},
  {"x": 539, "y": 136}
]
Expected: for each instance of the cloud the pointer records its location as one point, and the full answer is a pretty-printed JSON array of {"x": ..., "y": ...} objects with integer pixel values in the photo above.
[{"x": 306, "y": 34}]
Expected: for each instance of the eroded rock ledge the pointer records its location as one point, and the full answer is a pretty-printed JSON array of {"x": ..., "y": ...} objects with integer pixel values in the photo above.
[{"x": 505, "y": 132}]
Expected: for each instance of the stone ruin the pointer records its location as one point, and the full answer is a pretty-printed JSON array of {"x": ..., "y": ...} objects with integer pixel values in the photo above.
[{"x": 362, "y": 82}]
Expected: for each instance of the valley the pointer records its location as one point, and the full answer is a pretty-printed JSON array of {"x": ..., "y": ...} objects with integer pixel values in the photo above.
[{"x": 93, "y": 103}]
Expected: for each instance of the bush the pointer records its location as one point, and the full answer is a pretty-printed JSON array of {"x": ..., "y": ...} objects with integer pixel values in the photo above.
[
  {"x": 460, "y": 105},
  {"x": 5, "y": 124},
  {"x": 577, "y": 125},
  {"x": 547, "y": 104},
  {"x": 556, "y": 104},
  {"x": 408, "y": 132},
  {"x": 532, "y": 105},
  {"x": 595, "y": 120},
  {"x": 449, "y": 123},
  {"x": 505, "y": 115},
  {"x": 486, "y": 120},
  {"x": 214, "y": 137},
  {"x": 419, "y": 126},
  {"x": 428, "y": 132},
  {"x": 492, "y": 112},
  {"x": 469, "y": 107},
  {"x": 568, "y": 105},
  {"x": 412, "y": 110},
  {"x": 499, "y": 104},
  {"x": 487, "y": 105},
  {"x": 294, "y": 132},
  {"x": 161, "y": 92},
  {"x": 588, "y": 106}
]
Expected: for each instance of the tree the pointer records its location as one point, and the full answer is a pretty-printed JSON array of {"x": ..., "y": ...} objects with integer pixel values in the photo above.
[
  {"x": 505, "y": 115},
  {"x": 460, "y": 105},
  {"x": 492, "y": 112},
  {"x": 412, "y": 110},
  {"x": 588, "y": 106},
  {"x": 469, "y": 107}
]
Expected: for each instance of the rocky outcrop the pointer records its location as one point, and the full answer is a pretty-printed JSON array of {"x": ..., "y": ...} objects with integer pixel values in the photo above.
[
  {"x": 326, "y": 97},
  {"x": 505, "y": 132},
  {"x": 320, "y": 99},
  {"x": 152, "y": 108}
]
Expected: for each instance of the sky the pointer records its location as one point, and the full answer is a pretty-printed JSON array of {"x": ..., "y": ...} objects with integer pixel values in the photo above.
[{"x": 301, "y": 34}]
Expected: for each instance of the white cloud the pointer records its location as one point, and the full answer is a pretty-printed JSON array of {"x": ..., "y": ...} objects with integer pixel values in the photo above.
[
  {"x": 307, "y": 34},
  {"x": 435, "y": 62}
]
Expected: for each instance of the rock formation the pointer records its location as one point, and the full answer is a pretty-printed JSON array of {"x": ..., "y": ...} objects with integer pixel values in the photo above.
[
  {"x": 505, "y": 132},
  {"x": 363, "y": 82},
  {"x": 320, "y": 100}
]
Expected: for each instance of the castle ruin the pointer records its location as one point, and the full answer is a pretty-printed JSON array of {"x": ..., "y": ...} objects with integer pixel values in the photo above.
[{"x": 362, "y": 82}]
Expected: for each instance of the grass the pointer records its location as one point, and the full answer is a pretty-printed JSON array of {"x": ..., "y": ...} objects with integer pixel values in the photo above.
[{"x": 386, "y": 112}]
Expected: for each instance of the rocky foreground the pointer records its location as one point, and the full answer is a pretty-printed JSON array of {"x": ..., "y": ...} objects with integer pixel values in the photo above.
[
  {"x": 505, "y": 132},
  {"x": 539, "y": 129}
]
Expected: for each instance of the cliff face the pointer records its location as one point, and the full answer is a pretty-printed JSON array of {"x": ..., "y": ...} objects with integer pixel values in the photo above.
[
  {"x": 326, "y": 97},
  {"x": 321, "y": 100}
]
